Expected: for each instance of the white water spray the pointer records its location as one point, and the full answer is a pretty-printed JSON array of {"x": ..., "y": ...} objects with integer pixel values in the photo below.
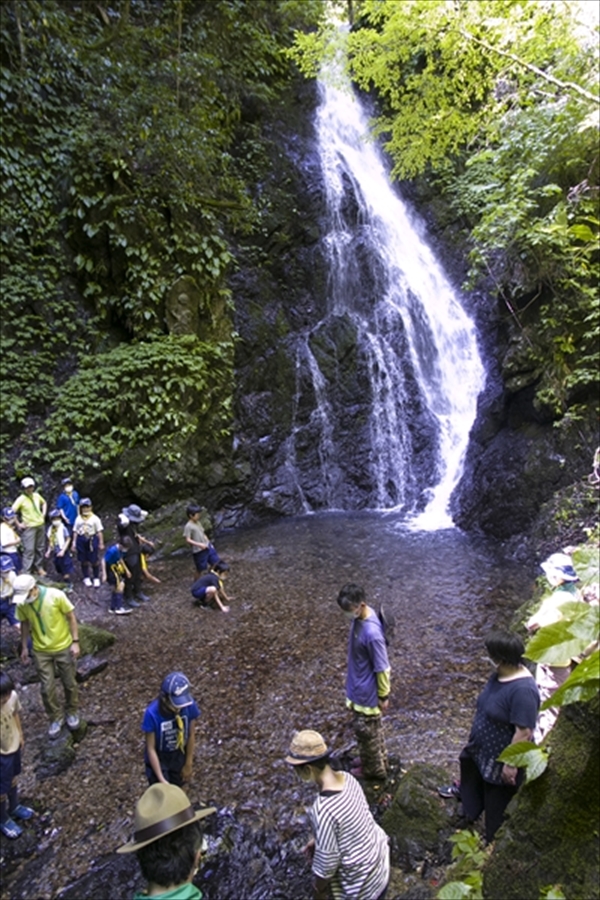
[{"x": 404, "y": 292}]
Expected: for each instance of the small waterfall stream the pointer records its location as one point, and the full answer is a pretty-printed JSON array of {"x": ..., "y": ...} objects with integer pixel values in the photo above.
[{"x": 394, "y": 365}]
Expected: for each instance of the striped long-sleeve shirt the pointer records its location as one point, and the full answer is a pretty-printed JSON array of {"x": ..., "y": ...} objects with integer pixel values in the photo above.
[{"x": 350, "y": 848}]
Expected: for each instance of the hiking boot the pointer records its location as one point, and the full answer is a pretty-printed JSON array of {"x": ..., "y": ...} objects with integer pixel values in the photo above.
[
  {"x": 73, "y": 721},
  {"x": 54, "y": 730}
]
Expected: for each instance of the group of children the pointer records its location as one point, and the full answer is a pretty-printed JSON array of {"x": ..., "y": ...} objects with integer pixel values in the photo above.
[{"x": 168, "y": 722}]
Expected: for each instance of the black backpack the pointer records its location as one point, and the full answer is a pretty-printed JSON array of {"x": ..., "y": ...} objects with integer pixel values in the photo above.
[{"x": 388, "y": 623}]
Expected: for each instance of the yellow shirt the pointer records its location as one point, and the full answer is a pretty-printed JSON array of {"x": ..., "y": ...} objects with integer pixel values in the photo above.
[
  {"x": 49, "y": 627},
  {"x": 30, "y": 509}
]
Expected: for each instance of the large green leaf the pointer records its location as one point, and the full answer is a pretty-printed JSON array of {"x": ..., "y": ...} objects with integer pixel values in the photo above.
[
  {"x": 455, "y": 890},
  {"x": 528, "y": 756},
  {"x": 582, "y": 684},
  {"x": 555, "y": 644}
]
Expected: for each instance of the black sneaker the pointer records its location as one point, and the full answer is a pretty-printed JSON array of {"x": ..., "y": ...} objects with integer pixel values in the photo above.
[
  {"x": 132, "y": 604},
  {"x": 450, "y": 791},
  {"x": 143, "y": 597}
]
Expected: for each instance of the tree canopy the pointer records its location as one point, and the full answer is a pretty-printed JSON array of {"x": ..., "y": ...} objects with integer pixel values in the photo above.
[{"x": 496, "y": 103}]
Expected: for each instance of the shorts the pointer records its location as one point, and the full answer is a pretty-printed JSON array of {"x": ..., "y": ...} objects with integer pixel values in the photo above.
[
  {"x": 63, "y": 564},
  {"x": 10, "y": 767},
  {"x": 87, "y": 549},
  {"x": 7, "y": 611}
]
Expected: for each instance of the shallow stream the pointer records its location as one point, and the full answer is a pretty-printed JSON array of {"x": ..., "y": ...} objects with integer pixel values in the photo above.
[{"x": 274, "y": 664}]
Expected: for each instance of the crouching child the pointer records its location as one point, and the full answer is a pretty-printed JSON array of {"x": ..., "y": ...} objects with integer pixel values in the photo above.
[{"x": 208, "y": 590}]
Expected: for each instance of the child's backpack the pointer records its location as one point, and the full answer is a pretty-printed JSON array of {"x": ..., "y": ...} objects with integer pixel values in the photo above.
[
  {"x": 112, "y": 555},
  {"x": 388, "y": 623}
]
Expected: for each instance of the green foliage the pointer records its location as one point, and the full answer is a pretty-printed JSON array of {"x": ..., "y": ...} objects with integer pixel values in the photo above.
[
  {"x": 162, "y": 391},
  {"x": 552, "y": 892},
  {"x": 497, "y": 103},
  {"x": 528, "y": 756},
  {"x": 575, "y": 635},
  {"x": 120, "y": 173},
  {"x": 468, "y": 857}
]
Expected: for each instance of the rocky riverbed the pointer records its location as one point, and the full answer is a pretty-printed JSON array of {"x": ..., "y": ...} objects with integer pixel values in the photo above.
[{"x": 274, "y": 664}]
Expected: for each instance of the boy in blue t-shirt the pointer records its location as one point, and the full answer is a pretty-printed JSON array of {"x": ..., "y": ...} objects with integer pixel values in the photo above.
[
  {"x": 116, "y": 573},
  {"x": 168, "y": 725},
  {"x": 208, "y": 590}
]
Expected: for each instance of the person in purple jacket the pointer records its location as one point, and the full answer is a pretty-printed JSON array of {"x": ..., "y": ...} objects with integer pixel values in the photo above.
[{"x": 367, "y": 681}]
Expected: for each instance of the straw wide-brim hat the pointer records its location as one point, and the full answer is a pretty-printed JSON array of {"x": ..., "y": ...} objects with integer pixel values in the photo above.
[
  {"x": 161, "y": 809},
  {"x": 306, "y": 747}
]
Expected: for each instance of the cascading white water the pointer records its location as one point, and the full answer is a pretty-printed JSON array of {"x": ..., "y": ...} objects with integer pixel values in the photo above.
[{"x": 384, "y": 276}]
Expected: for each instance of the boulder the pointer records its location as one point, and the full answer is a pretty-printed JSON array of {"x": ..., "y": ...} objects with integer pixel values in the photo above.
[
  {"x": 418, "y": 821},
  {"x": 551, "y": 832}
]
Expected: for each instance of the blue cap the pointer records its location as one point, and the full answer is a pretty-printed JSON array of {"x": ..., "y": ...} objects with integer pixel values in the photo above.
[
  {"x": 6, "y": 564},
  {"x": 8, "y": 513},
  {"x": 177, "y": 688}
]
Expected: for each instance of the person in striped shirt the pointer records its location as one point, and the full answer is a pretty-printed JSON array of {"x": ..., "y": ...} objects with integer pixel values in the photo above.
[{"x": 349, "y": 851}]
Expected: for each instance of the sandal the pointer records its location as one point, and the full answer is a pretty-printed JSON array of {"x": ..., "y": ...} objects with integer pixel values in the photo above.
[{"x": 10, "y": 829}]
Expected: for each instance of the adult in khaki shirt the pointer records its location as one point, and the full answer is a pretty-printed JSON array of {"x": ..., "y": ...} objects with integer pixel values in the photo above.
[{"x": 48, "y": 616}]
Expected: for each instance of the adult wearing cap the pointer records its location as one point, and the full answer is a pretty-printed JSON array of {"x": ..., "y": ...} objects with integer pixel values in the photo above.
[
  {"x": 562, "y": 578},
  {"x": 168, "y": 725},
  {"x": 10, "y": 541},
  {"x": 350, "y": 852},
  {"x": 127, "y": 527},
  {"x": 68, "y": 503},
  {"x": 167, "y": 842},
  {"x": 30, "y": 508},
  {"x": 48, "y": 615}
]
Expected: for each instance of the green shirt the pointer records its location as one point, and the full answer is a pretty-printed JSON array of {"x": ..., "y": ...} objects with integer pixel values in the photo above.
[
  {"x": 29, "y": 507},
  {"x": 48, "y": 624},
  {"x": 186, "y": 891}
]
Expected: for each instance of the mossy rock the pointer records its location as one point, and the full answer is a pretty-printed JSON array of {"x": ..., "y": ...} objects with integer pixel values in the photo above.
[
  {"x": 419, "y": 821},
  {"x": 551, "y": 832},
  {"x": 57, "y": 755},
  {"x": 92, "y": 639}
]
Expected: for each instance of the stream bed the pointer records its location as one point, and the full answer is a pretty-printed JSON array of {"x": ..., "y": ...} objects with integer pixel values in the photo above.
[{"x": 274, "y": 664}]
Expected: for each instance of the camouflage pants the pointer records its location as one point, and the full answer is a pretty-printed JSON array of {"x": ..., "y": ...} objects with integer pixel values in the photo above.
[{"x": 371, "y": 744}]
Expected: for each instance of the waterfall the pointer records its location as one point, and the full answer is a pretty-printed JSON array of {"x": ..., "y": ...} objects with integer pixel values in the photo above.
[{"x": 412, "y": 347}]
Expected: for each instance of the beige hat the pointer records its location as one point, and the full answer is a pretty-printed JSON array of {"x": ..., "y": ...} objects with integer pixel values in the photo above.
[
  {"x": 161, "y": 809},
  {"x": 306, "y": 747},
  {"x": 22, "y": 585}
]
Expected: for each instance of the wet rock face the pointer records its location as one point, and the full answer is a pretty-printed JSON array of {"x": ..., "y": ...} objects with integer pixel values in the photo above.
[{"x": 515, "y": 463}]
